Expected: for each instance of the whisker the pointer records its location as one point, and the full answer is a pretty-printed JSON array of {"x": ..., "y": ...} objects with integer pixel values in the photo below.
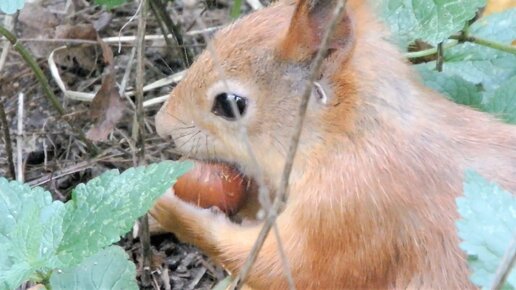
[
  {"x": 177, "y": 118},
  {"x": 188, "y": 140},
  {"x": 177, "y": 138}
]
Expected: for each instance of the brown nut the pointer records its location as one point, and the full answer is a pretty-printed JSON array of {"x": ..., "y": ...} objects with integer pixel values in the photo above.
[{"x": 213, "y": 184}]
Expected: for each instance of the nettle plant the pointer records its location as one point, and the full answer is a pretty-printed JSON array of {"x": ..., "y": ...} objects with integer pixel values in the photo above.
[
  {"x": 61, "y": 244},
  {"x": 70, "y": 244}
]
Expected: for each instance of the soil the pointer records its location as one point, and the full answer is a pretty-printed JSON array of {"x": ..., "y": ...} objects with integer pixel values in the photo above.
[{"x": 53, "y": 154}]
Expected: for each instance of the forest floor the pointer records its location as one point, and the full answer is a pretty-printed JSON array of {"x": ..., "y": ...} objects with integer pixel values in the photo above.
[{"x": 53, "y": 154}]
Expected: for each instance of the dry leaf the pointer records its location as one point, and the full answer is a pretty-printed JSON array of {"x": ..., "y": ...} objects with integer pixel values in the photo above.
[
  {"x": 107, "y": 107},
  {"x": 77, "y": 56},
  {"x": 84, "y": 31}
]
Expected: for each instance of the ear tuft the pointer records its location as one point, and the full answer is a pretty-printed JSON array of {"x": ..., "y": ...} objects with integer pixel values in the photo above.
[{"x": 309, "y": 22}]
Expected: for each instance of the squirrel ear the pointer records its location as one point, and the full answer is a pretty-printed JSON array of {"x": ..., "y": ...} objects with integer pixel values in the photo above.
[{"x": 307, "y": 27}]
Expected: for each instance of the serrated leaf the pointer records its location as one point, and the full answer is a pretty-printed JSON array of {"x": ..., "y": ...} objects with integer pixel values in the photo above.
[
  {"x": 110, "y": 3},
  {"x": 108, "y": 269},
  {"x": 11, "y": 6},
  {"x": 431, "y": 21},
  {"x": 486, "y": 227},
  {"x": 454, "y": 87},
  {"x": 106, "y": 207},
  {"x": 30, "y": 232},
  {"x": 502, "y": 102},
  {"x": 483, "y": 65}
]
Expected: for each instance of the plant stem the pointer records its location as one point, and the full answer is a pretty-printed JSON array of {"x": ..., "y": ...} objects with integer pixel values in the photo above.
[
  {"x": 40, "y": 76},
  {"x": 430, "y": 51},
  {"x": 440, "y": 57},
  {"x": 485, "y": 42},
  {"x": 160, "y": 10},
  {"x": 140, "y": 136},
  {"x": 7, "y": 139},
  {"x": 505, "y": 267},
  {"x": 282, "y": 196},
  {"x": 235, "y": 10}
]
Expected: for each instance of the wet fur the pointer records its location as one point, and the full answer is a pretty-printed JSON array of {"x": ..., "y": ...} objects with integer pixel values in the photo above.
[{"x": 372, "y": 195}]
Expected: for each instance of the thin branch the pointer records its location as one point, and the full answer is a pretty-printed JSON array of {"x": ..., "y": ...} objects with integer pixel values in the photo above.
[
  {"x": 140, "y": 117},
  {"x": 282, "y": 196},
  {"x": 288, "y": 273},
  {"x": 88, "y": 97},
  {"x": 40, "y": 76},
  {"x": 163, "y": 29},
  {"x": 505, "y": 267},
  {"x": 7, "y": 139},
  {"x": 8, "y": 23},
  {"x": 485, "y": 42},
  {"x": 125, "y": 78},
  {"x": 440, "y": 58},
  {"x": 430, "y": 51},
  {"x": 255, "y": 4},
  {"x": 19, "y": 139},
  {"x": 162, "y": 15}
]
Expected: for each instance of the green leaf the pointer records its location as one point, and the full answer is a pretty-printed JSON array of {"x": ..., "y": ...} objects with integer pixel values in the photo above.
[
  {"x": 110, "y": 3},
  {"x": 502, "y": 102},
  {"x": 486, "y": 228},
  {"x": 454, "y": 87},
  {"x": 38, "y": 235},
  {"x": 106, "y": 207},
  {"x": 30, "y": 232},
  {"x": 483, "y": 65},
  {"x": 431, "y": 21},
  {"x": 11, "y": 6},
  {"x": 108, "y": 269}
]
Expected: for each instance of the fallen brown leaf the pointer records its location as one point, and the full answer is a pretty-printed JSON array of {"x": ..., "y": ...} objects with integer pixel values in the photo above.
[
  {"x": 107, "y": 107},
  {"x": 106, "y": 110}
]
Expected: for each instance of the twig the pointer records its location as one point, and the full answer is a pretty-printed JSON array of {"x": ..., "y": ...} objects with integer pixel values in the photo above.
[
  {"x": 7, "y": 139},
  {"x": 440, "y": 58},
  {"x": 235, "y": 10},
  {"x": 161, "y": 13},
  {"x": 19, "y": 140},
  {"x": 127, "y": 23},
  {"x": 288, "y": 273},
  {"x": 282, "y": 196},
  {"x": 125, "y": 78},
  {"x": 88, "y": 97},
  {"x": 505, "y": 267},
  {"x": 430, "y": 51},
  {"x": 485, "y": 42},
  {"x": 163, "y": 29},
  {"x": 255, "y": 4},
  {"x": 140, "y": 77},
  {"x": 40, "y": 76},
  {"x": 8, "y": 22}
]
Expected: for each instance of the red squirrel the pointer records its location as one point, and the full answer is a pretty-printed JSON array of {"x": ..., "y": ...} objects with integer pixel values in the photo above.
[{"x": 381, "y": 158}]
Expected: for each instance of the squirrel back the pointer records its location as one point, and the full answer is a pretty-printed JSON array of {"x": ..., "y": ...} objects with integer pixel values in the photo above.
[{"x": 380, "y": 163}]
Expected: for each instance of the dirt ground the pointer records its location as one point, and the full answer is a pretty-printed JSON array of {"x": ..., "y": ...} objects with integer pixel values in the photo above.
[{"x": 53, "y": 154}]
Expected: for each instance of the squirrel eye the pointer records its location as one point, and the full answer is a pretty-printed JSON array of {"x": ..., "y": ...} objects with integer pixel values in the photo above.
[{"x": 222, "y": 106}]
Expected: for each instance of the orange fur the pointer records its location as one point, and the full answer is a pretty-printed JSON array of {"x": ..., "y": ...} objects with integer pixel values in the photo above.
[{"x": 373, "y": 188}]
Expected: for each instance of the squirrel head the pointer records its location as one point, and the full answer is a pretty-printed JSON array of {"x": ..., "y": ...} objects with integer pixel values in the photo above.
[{"x": 260, "y": 66}]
